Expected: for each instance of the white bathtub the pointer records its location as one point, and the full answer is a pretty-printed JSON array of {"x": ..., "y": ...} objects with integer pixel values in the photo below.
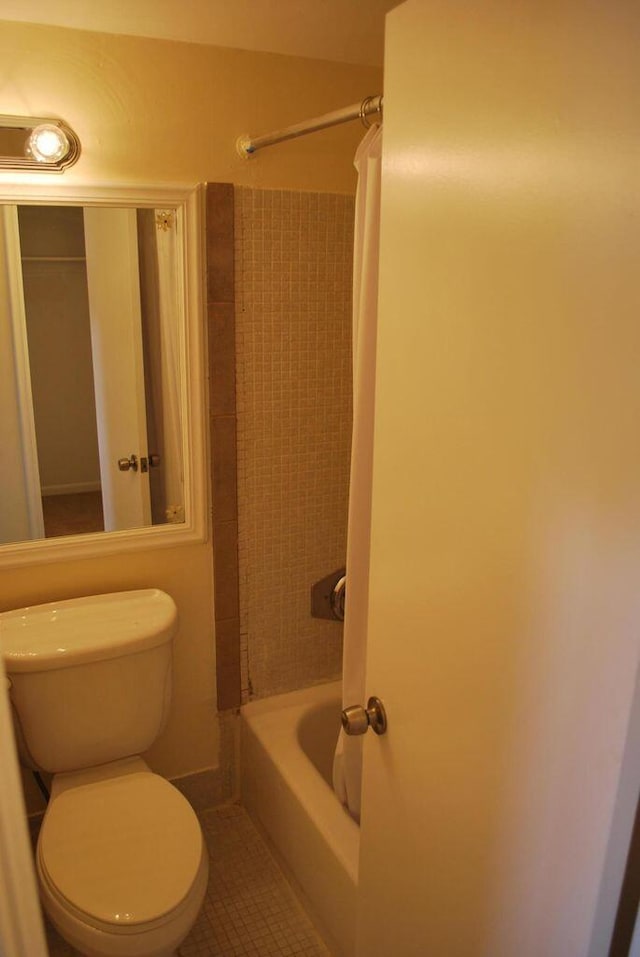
[{"x": 287, "y": 753}]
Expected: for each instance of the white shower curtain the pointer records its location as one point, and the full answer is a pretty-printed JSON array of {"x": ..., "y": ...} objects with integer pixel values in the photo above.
[
  {"x": 160, "y": 277},
  {"x": 347, "y": 765},
  {"x": 169, "y": 296}
]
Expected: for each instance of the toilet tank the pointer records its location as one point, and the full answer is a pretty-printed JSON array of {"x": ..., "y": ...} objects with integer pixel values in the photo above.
[{"x": 90, "y": 677}]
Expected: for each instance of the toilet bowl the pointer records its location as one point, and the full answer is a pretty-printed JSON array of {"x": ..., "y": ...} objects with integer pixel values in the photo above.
[
  {"x": 121, "y": 861},
  {"x": 140, "y": 889}
]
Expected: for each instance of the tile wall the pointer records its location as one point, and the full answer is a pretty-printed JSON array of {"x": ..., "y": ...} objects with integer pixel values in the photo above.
[
  {"x": 293, "y": 265},
  {"x": 279, "y": 321}
]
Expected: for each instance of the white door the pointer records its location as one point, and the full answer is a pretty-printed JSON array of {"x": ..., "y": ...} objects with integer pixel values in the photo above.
[
  {"x": 113, "y": 281},
  {"x": 21, "y": 515},
  {"x": 504, "y": 600},
  {"x": 21, "y": 931}
]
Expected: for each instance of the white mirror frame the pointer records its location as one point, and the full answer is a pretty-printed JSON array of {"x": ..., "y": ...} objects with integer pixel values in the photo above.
[{"x": 189, "y": 205}]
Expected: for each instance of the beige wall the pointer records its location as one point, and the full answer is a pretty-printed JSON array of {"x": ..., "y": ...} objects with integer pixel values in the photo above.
[
  {"x": 159, "y": 111},
  {"x": 156, "y": 112}
]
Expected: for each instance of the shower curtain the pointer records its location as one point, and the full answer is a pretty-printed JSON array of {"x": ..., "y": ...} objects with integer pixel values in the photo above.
[
  {"x": 169, "y": 296},
  {"x": 347, "y": 765},
  {"x": 160, "y": 295}
]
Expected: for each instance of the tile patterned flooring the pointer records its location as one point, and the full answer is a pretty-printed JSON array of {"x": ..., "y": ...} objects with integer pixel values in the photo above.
[{"x": 250, "y": 909}]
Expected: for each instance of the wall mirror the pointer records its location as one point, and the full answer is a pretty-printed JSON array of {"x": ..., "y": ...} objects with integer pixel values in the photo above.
[{"x": 101, "y": 378}]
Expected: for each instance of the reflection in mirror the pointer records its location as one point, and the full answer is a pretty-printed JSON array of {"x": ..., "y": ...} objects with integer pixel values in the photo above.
[{"x": 91, "y": 302}]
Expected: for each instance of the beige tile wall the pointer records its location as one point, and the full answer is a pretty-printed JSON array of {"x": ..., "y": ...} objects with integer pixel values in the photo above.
[{"x": 293, "y": 263}]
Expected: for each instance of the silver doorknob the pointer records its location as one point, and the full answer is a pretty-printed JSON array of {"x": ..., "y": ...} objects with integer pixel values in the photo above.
[
  {"x": 357, "y": 720},
  {"x": 131, "y": 463}
]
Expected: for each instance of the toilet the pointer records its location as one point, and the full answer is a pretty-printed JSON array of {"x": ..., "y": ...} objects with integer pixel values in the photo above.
[{"x": 121, "y": 861}]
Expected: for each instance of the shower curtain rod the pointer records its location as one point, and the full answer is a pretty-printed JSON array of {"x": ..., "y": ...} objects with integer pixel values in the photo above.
[{"x": 248, "y": 145}]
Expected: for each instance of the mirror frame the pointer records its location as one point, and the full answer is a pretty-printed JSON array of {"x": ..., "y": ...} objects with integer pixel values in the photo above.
[{"x": 188, "y": 203}]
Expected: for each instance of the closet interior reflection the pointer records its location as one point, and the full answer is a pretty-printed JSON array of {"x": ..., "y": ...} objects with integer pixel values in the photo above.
[{"x": 90, "y": 339}]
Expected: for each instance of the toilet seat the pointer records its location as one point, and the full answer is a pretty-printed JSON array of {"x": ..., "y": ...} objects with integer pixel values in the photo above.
[{"x": 123, "y": 853}]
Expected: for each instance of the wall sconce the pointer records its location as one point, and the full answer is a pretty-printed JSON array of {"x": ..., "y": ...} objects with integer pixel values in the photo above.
[{"x": 40, "y": 143}]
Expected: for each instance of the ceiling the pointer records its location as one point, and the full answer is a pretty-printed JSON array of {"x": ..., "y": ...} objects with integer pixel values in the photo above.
[{"x": 348, "y": 31}]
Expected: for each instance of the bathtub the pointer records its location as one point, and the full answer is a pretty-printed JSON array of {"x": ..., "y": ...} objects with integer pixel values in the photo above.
[{"x": 287, "y": 753}]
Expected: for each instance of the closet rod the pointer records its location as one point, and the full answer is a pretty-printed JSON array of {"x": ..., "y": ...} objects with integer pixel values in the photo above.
[{"x": 248, "y": 145}]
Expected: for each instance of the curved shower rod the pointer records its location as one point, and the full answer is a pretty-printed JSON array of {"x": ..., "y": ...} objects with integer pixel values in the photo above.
[{"x": 248, "y": 145}]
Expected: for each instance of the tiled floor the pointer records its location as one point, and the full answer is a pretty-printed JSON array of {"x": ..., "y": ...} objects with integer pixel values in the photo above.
[{"x": 249, "y": 910}]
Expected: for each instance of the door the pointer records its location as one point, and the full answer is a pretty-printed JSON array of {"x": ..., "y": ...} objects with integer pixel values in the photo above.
[
  {"x": 505, "y": 558},
  {"x": 113, "y": 281},
  {"x": 21, "y": 515},
  {"x": 21, "y": 931}
]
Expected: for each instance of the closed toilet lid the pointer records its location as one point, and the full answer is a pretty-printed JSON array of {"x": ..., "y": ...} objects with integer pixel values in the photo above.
[{"x": 124, "y": 851}]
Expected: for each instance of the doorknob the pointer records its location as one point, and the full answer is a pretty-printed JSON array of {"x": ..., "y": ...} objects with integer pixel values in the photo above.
[
  {"x": 131, "y": 463},
  {"x": 357, "y": 720}
]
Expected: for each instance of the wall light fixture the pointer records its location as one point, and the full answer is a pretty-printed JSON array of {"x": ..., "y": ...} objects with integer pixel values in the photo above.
[{"x": 45, "y": 144}]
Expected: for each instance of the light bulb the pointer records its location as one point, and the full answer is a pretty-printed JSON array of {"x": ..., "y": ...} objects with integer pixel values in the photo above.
[{"x": 48, "y": 143}]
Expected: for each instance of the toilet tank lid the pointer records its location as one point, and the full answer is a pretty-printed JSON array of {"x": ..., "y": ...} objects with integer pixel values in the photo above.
[{"x": 62, "y": 634}]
